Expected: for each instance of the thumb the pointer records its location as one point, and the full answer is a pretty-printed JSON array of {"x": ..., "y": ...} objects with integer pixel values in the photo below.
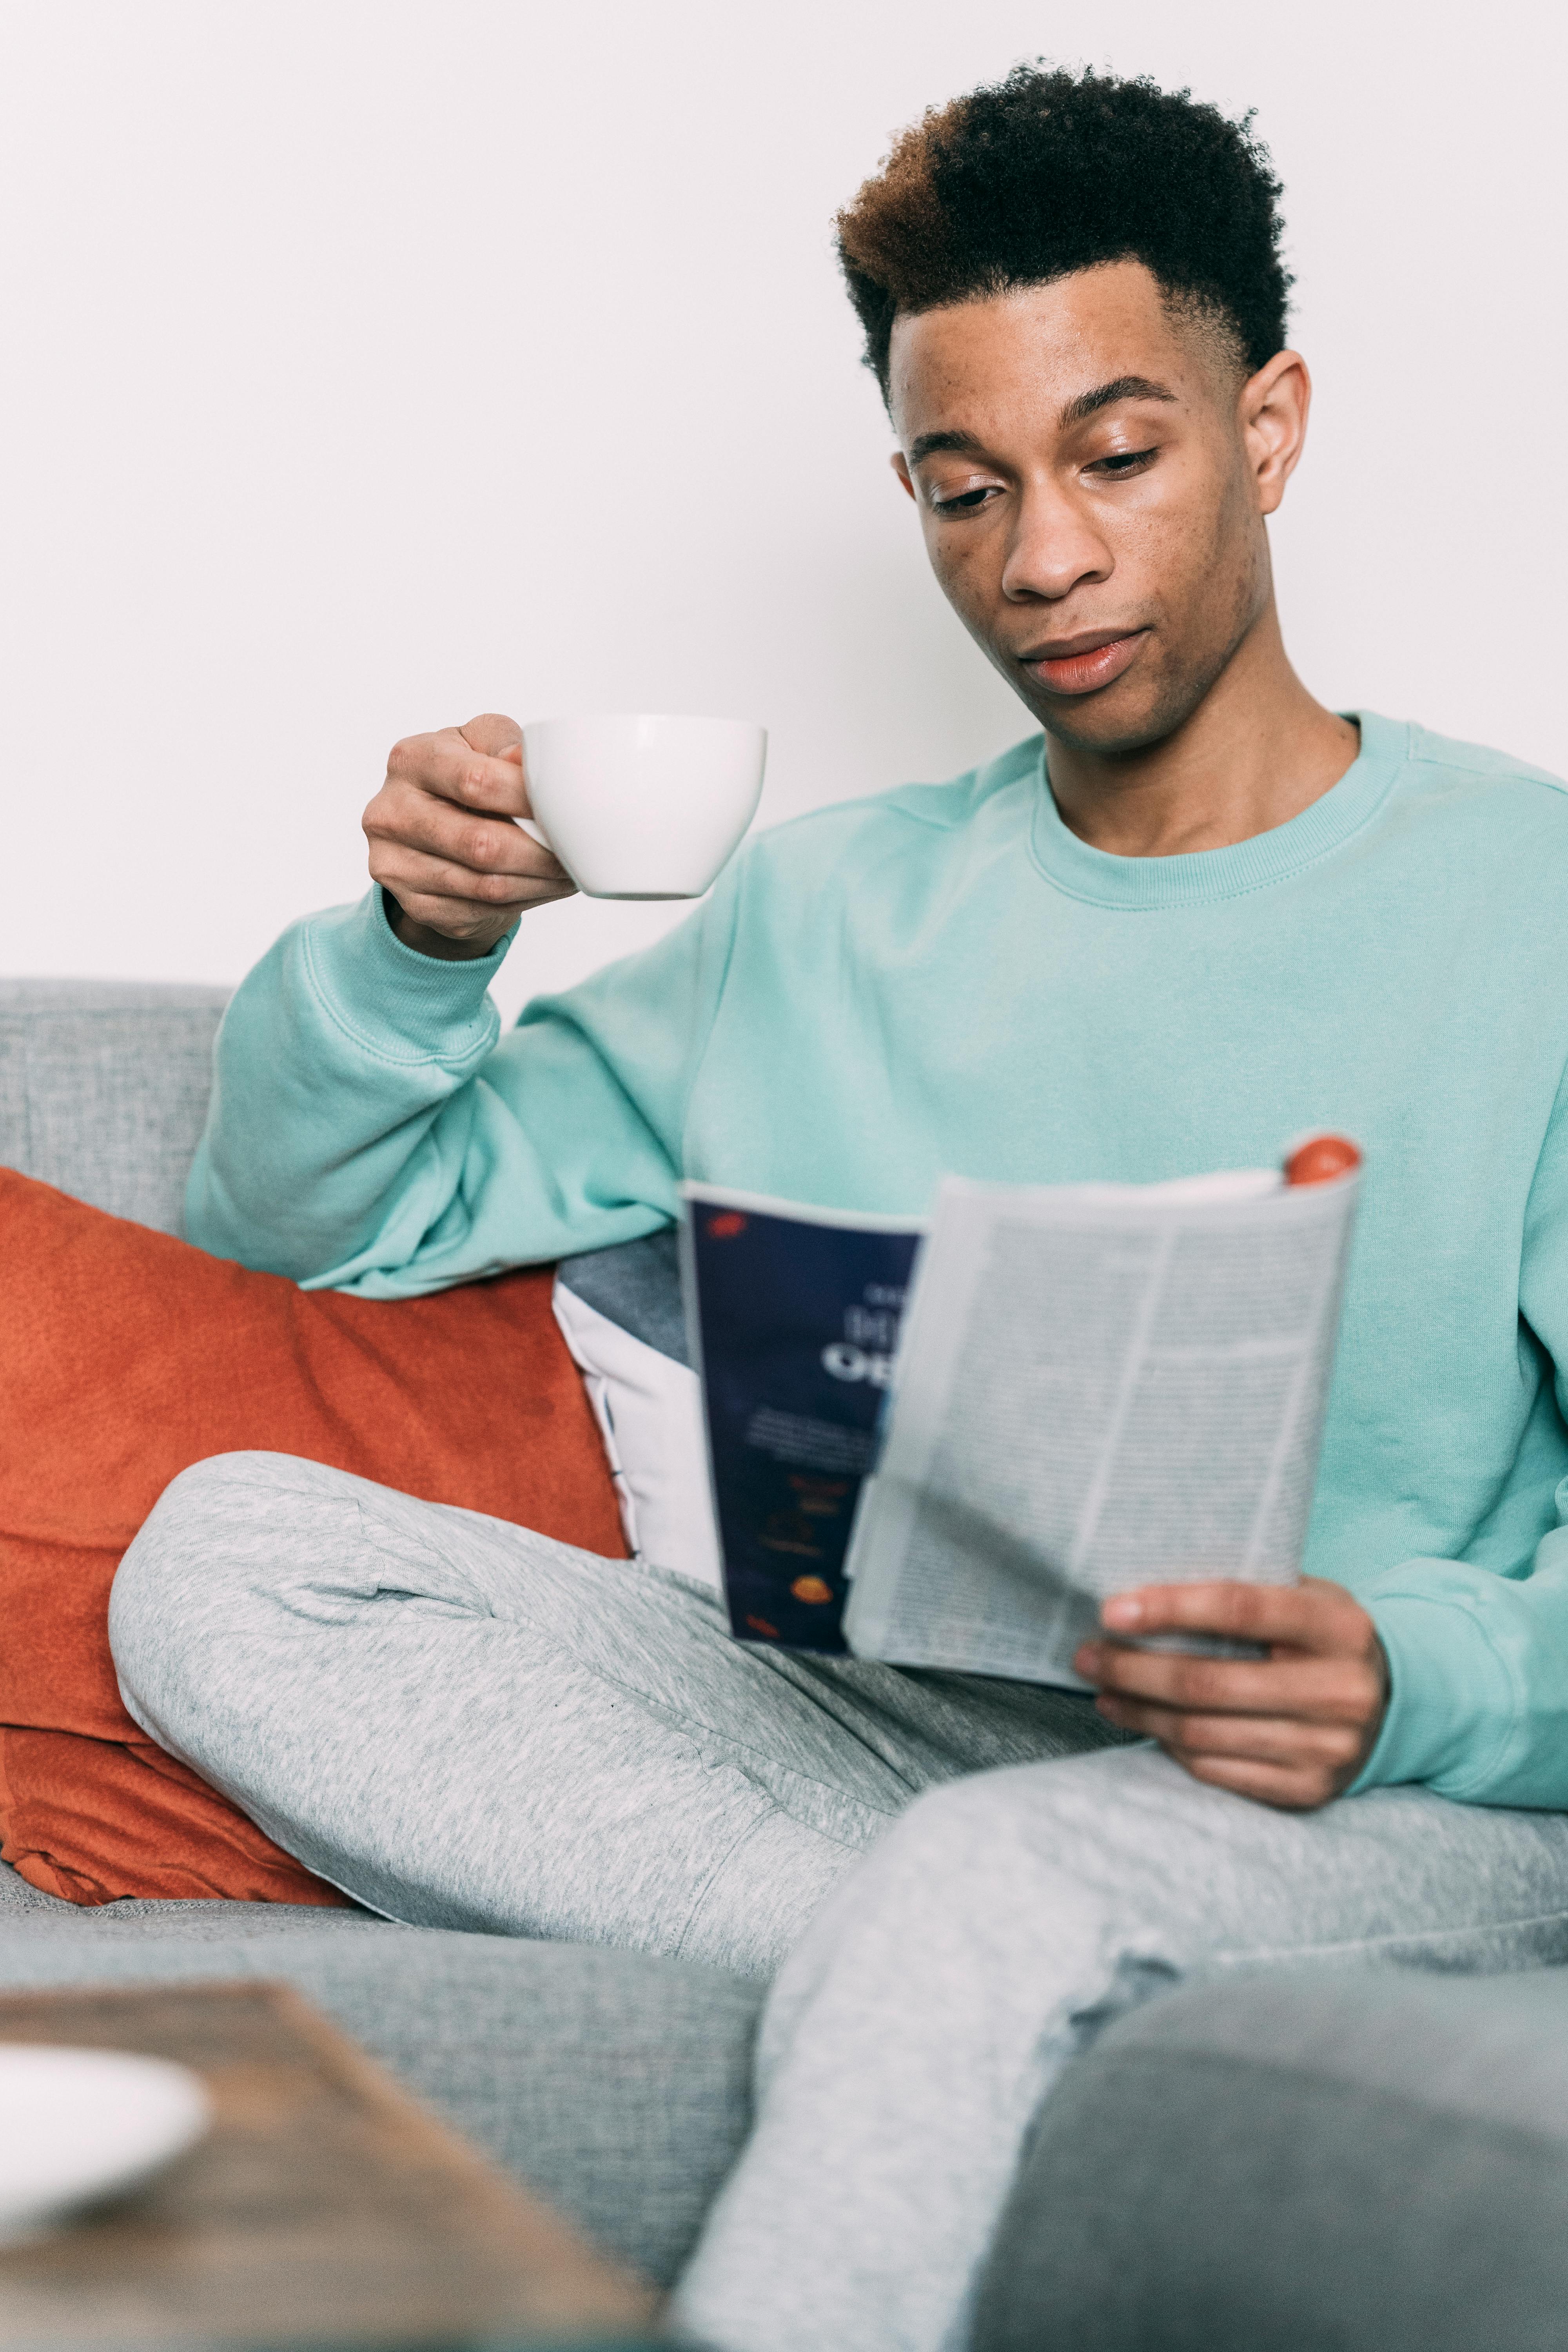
[{"x": 498, "y": 737}]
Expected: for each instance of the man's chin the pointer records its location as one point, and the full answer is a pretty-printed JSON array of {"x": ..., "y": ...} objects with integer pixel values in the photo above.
[
  {"x": 1117, "y": 721},
  {"x": 1110, "y": 734}
]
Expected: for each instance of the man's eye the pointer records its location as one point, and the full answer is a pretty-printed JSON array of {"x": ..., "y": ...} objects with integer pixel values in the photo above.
[
  {"x": 1129, "y": 461},
  {"x": 965, "y": 502}
]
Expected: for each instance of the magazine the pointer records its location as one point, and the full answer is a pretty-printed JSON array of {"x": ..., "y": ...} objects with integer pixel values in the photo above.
[{"x": 944, "y": 1446}]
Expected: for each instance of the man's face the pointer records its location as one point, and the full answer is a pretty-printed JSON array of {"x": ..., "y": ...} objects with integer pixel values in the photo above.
[{"x": 1091, "y": 497}]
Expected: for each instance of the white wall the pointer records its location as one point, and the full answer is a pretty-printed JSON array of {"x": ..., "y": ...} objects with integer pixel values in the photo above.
[{"x": 371, "y": 363}]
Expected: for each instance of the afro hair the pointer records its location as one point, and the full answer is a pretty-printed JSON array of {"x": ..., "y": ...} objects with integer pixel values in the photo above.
[{"x": 1029, "y": 179}]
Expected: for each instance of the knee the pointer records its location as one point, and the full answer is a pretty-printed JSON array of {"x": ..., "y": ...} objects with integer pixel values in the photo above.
[
  {"x": 969, "y": 1817},
  {"x": 178, "y": 1589},
  {"x": 170, "y": 1561},
  {"x": 954, "y": 1852},
  {"x": 977, "y": 1849}
]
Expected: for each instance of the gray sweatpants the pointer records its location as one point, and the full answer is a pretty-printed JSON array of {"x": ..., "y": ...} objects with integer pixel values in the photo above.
[{"x": 464, "y": 1724}]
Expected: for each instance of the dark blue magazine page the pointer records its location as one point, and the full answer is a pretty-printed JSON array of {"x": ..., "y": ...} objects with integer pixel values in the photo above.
[{"x": 794, "y": 1325}]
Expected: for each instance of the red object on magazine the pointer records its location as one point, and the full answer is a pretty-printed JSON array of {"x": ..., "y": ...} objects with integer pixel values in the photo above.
[{"x": 1320, "y": 1158}]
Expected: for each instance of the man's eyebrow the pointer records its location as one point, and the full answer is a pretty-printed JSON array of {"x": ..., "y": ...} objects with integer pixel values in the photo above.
[
  {"x": 927, "y": 445},
  {"x": 1122, "y": 387},
  {"x": 1084, "y": 403}
]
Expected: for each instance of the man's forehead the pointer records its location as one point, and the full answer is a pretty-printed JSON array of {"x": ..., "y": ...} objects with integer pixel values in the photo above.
[{"x": 1061, "y": 349}]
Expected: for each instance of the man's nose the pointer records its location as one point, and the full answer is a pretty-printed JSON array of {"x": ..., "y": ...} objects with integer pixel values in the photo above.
[{"x": 1055, "y": 548}]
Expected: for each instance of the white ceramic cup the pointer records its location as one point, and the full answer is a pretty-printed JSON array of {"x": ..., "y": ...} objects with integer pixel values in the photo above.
[{"x": 643, "y": 807}]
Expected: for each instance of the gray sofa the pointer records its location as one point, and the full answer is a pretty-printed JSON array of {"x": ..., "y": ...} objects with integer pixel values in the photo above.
[{"x": 1302, "y": 2161}]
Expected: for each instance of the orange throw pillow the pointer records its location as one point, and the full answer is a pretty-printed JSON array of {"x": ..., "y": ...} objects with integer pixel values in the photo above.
[{"x": 125, "y": 1356}]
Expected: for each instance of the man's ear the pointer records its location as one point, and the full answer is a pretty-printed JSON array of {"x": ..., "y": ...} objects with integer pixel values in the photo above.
[
  {"x": 1271, "y": 410},
  {"x": 899, "y": 465}
]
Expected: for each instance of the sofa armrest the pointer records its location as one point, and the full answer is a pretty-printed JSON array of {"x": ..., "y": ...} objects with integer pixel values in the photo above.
[{"x": 1303, "y": 2161}]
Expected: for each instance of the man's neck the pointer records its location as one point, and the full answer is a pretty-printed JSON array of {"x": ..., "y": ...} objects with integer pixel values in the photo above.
[{"x": 1256, "y": 751}]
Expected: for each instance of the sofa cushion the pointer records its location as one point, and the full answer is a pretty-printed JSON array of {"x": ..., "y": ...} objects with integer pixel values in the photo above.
[
  {"x": 104, "y": 1089},
  {"x": 125, "y": 1356},
  {"x": 182, "y": 1917},
  {"x": 613, "y": 2084},
  {"x": 1310, "y": 2161}
]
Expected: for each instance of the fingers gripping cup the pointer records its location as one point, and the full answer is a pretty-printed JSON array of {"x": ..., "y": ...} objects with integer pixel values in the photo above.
[{"x": 643, "y": 807}]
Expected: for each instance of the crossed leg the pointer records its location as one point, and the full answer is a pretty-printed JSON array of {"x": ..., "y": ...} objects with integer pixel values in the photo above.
[
  {"x": 926, "y": 2011},
  {"x": 464, "y": 1724}
]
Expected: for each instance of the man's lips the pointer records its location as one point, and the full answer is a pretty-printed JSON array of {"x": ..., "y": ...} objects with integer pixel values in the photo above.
[{"x": 1078, "y": 665}]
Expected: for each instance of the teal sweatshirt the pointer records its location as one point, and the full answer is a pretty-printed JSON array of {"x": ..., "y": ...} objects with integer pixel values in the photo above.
[{"x": 945, "y": 977}]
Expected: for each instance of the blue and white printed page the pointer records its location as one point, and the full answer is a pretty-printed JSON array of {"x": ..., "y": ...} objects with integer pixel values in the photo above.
[{"x": 794, "y": 1317}]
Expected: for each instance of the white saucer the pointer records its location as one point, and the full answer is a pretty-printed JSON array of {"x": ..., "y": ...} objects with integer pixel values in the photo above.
[{"x": 78, "y": 2125}]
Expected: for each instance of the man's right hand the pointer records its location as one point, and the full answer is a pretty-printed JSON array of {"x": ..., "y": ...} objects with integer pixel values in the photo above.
[{"x": 445, "y": 842}]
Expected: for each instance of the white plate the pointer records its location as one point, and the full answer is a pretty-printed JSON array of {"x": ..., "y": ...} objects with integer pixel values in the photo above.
[{"x": 77, "y": 2124}]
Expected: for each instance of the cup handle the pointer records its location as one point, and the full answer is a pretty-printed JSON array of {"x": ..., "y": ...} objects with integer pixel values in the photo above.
[{"x": 531, "y": 826}]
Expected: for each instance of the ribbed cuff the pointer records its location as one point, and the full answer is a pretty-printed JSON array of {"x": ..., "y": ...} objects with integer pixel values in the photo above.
[
  {"x": 391, "y": 1000},
  {"x": 1452, "y": 1701}
]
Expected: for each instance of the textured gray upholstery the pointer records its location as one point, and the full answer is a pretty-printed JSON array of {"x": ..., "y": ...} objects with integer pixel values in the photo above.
[
  {"x": 613, "y": 2084},
  {"x": 104, "y": 1089},
  {"x": 20, "y": 1900},
  {"x": 637, "y": 1286},
  {"x": 1305, "y": 2162}
]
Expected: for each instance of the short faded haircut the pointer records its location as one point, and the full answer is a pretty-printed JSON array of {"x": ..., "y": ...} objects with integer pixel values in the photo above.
[{"x": 1030, "y": 179}]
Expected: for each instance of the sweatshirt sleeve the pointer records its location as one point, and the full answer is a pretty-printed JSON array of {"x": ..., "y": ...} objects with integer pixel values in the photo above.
[
  {"x": 1478, "y": 1657},
  {"x": 367, "y": 1132}
]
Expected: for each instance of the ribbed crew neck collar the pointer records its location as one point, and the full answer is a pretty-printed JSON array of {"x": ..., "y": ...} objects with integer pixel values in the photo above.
[{"x": 1143, "y": 883}]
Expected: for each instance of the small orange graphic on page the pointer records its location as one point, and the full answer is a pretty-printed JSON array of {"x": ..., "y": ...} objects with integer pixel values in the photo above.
[
  {"x": 811, "y": 1588},
  {"x": 725, "y": 1227}
]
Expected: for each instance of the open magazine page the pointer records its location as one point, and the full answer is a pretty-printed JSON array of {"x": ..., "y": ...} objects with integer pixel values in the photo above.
[
  {"x": 1101, "y": 1387},
  {"x": 794, "y": 1317}
]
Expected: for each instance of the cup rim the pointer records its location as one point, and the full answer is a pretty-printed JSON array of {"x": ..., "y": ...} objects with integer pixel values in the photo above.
[{"x": 645, "y": 717}]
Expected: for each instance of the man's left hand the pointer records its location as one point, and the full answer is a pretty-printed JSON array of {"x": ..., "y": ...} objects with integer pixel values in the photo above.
[{"x": 1291, "y": 1729}]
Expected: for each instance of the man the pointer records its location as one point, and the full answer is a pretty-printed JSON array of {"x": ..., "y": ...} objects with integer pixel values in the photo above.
[{"x": 1201, "y": 913}]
